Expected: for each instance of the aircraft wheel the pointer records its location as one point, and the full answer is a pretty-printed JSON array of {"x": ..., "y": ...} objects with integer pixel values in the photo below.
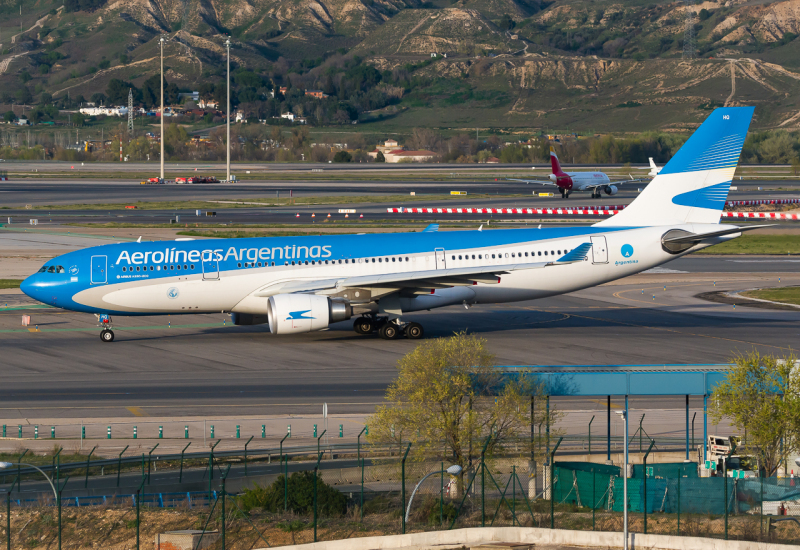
[
  {"x": 414, "y": 331},
  {"x": 107, "y": 335},
  {"x": 364, "y": 325},
  {"x": 389, "y": 331}
]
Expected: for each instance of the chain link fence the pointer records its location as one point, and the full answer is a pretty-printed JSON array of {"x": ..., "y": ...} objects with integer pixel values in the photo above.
[{"x": 328, "y": 494}]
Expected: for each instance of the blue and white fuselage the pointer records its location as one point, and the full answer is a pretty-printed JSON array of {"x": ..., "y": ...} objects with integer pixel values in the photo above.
[{"x": 305, "y": 283}]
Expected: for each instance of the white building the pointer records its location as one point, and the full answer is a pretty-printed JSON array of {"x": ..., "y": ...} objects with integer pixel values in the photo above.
[{"x": 108, "y": 111}]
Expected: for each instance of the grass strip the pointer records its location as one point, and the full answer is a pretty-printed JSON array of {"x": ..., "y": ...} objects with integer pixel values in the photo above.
[
  {"x": 786, "y": 295},
  {"x": 10, "y": 283}
]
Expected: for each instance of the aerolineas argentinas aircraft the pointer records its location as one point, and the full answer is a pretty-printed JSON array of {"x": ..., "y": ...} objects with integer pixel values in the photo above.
[
  {"x": 301, "y": 284},
  {"x": 567, "y": 182}
]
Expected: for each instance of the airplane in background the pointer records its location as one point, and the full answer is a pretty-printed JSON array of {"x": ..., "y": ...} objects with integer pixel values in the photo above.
[
  {"x": 654, "y": 169},
  {"x": 303, "y": 284},
  {"x": 567, "y": 182}
]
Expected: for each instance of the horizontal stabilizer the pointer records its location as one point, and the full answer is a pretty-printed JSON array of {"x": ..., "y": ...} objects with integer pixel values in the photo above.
[
  {"x": 700, "y": 237},
  {"x": 432, "y": 228}
]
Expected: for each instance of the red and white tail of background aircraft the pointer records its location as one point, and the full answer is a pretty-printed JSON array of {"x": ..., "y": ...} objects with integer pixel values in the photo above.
[{"x": 567, "y": 182}]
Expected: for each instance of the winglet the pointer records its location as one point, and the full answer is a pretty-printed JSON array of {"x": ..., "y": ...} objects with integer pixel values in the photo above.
[
  {"x": 432, "y": 228},
  {"x": 139, "y": 239},
  {"x": 575, "y": 255}
]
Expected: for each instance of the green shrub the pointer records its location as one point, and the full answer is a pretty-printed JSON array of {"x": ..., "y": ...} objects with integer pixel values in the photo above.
[{"x": 330, "y": 502}]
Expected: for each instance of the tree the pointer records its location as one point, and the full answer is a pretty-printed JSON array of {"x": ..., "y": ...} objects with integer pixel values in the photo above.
[
  {"x": 79, "y": 119},
  {"x": 9, "y": 116},
  {"x": 760, "y": 396},
  {"x": 447, "y": 398},
  {"x": 380, "y": 157},
  {"x": 342, "y": 156}
]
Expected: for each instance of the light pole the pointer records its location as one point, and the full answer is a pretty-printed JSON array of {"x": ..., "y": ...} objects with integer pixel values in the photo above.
[
  {"x": 162, "y": 108},
  {"x": 453, "y": 470},
  {"x": 228, "y": 119},
  {"x": 624, "y": 415}
]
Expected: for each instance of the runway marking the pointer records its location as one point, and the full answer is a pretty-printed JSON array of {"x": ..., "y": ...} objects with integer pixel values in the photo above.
[
  {"x": 137, "y": 411},
  {"x": 613, "y": 405},
  {"x": 159, "y": 327}
]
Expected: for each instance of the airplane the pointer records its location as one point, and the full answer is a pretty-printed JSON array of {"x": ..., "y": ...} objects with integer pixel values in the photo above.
[
  {"x": 303, "y": 284},
  {"x": 567, "y": 182},
  {"x": 654, "y": 169}
]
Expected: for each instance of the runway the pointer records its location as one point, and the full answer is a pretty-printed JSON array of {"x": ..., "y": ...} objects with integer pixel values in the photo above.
[
  {"x": 51, "y": 191},
  {"x": 201, "y": 365}
]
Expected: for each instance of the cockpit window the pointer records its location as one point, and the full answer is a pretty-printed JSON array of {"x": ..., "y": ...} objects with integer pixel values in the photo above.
[
  {"x": 51, "y": 269},
  {"x": 60, "y": 269},
  {"x": 43, "y": 269}
]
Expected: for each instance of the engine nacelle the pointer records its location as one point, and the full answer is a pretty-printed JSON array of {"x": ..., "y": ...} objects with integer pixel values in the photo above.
[
  {"x": 293, "y": 313},
  {"x": 248, "y": 319},
  {"x": 610, "y": 189}
]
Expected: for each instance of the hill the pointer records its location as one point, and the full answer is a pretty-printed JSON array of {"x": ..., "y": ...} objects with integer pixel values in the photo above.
[{"x": 600, "y": 66}]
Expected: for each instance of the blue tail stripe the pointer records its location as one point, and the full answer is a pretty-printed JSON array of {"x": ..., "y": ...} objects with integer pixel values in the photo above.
[{"x": 717, "y": 143}]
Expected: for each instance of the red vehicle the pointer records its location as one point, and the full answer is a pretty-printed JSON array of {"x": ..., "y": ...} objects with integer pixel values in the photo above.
[
  {"x": 180, "y": 180},
  {"x": 192, "y": 179},
  {"x": 155, "y": 180}
]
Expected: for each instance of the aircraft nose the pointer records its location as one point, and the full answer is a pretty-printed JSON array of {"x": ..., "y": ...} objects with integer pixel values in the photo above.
[{"x": 30, "y": 287}]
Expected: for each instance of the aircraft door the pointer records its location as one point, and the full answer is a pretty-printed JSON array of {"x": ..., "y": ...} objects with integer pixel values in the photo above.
[
  {"x": 599, "y": 250},
  {"x": 99, "y": 274},
  {"x": 440, "y": 259},
  {"x": 210, "y": 269}
]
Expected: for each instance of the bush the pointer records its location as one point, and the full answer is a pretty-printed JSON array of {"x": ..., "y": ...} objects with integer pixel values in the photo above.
[
  {"x": 342, "y": 156},
  {"x": 330, "y": 502}
]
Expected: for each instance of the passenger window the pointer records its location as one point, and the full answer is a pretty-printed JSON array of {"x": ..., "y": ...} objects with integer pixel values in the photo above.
[
  {"x": 559, "y": 253},
  {"x": 552, "y": 253},
  {"x": 492, "y": 256},
  {"x": 480, "y": 257},
  {"x": 380, "y": 259},
  {"x": 151, "y": 268},
  {"x": 240, "y": 265},
  {"x": 512, "y": 255},
  {"x": 454, "y": 257},
  {"x": 407, "y": 259},
  {"x": 545, "y": 252},
  {"x": 393, "y": 259},
  {"x": 292, "y": 262},
  {"x": 273, "y": 263},
  {"x": 506, "y": 254},
  {"x": 540, "y": 253},
  {"x": 123, "y": 269},
  {"x": 137, "y": 268},
  {"x": 526, "y": 254},
  {"x": 306, "y": 262}
]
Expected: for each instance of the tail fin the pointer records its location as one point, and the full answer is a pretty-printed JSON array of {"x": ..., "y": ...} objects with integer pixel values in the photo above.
[
  {"x": 556, "y": 166},
  {"x": 653, "y": 164},
  {"x": 693, "y": 186}
]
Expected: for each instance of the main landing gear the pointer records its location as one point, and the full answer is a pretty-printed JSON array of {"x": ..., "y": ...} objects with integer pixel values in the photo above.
[
  {"x": 388, "y": 330},
  {"x": 564, "y": 193}
]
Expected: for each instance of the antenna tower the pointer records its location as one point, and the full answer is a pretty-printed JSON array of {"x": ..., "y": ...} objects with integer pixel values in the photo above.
[
  {"x": 689, "y": 43},
  {"x": 130, "y": 111}
]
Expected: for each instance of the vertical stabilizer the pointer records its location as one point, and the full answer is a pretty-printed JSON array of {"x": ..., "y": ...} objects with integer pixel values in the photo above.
[
  {"x": 555, "y": 165},
  {"x": 693, "y": 186}
]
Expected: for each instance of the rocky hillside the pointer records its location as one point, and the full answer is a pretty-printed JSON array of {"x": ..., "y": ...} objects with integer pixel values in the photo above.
[{"x": 509, "y": 63}]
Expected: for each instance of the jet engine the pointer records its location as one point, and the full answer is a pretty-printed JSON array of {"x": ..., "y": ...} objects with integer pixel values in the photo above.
[
  {"x": 610, "y": 189},
  {"x": 293, "y": 313}
]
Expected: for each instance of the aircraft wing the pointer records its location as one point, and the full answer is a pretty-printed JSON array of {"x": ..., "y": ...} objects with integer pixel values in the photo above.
[
  {"x": 432, "y": 278},
  {"x": 540, "y": 182}
]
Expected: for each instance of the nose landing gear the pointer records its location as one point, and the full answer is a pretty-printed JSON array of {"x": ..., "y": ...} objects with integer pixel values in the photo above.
[{"x": 104, "y": 322}]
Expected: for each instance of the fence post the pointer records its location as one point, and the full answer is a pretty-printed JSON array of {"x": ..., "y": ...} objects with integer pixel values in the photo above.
[
  {"x": 725, "y": 480},
  {"x": 58, "y": 503},
  {"x": 514, "y": 495},
  {"x": 644, "y": 489},
  {"x": 403, "y": 486},
  {"x": 88, "y": 458},
  {"x": 761, "y": 508},
  {"x": 180, "y": 476},
  {"x": 590, "y": 434},
  {"x": 138, "y": 506},
  {"x": 119, "y": 462},
  {"x": 552, "y": 485},
  {"x": 594, "y": 496},
  {"x": 316, "y": 470},
  {"x": 441, "y": 498},
  {"x": 224, "y": 477},
  {"x": 245, "y": 454},
  {"x": 8, "y": 519},
  {"x": 149, "y": 461},
  {"x": 679, "y": 504},
  {"x": 285, "y": 476},
  {"x": 210, "y": 466},
  {"x": 361, "y": 462}
]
